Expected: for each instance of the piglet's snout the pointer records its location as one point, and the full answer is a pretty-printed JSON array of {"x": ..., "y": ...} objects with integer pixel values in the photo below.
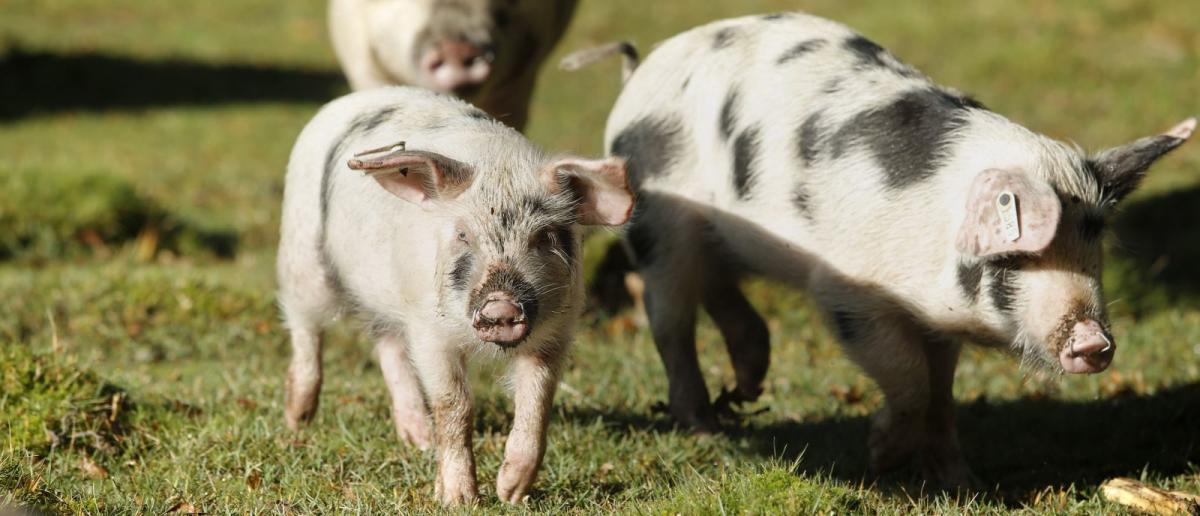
[
  {"x": 1090, "y": 349},
  {"x": 454, "y": 64},
  {"x": 501, "y": 320}
]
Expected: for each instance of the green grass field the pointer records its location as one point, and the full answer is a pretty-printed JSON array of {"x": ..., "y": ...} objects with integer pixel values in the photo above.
[{"x": 142, "y": 148}]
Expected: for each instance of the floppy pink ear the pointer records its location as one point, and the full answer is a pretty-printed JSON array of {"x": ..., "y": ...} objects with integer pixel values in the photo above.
[
  {"x": 412, "y": 175},
  {"x": 601, "y": 185},
  {"x": 996, "y": 196}
]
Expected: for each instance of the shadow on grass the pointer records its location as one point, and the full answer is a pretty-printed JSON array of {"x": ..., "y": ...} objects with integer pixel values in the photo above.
[
  {"x": 1016, "y": 448},
  {"x": 1157, "y": 249},
  {"x": 35, "y": 83}
]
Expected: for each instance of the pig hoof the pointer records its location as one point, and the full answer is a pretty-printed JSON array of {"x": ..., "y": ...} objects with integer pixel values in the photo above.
[
  {"x": 727, "y": 403},
  {"x": 515, "y": 478},
  {"x": 453, "y": 492},
  {"x": 299, "y": 412}
]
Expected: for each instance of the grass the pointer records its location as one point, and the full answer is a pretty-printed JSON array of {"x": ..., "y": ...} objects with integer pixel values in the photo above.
[{"x": 143, "y": 150}]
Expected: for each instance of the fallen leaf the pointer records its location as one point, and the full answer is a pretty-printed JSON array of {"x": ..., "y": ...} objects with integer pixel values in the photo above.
[
  {"x": 848, "y": 395},
  {"x": 1142, "y": 497},
  {"x": 91, "y": 469},
  {"x": 185, "y": 508},
  {"x": 253, "y": 480},
  {"x": 247, "y": 404}
]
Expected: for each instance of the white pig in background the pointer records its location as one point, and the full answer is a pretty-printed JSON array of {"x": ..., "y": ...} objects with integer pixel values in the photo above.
[
  {"x": 450, "y": 235},
  {"x": 485, "y": 51},
  {"x": 790, "y": 146}
]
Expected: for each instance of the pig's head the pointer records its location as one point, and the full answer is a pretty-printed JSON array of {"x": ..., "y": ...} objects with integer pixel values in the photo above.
[
  {"x": 508, "y": 250},
  {"x": 1030, "y": 249},
  {"x": 450, "y": 46}
]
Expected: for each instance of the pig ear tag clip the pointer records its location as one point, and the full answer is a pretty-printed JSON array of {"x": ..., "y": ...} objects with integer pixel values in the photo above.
[
  {"x": 1006, "y": 208},
  {"x": 395, "y": 147}
]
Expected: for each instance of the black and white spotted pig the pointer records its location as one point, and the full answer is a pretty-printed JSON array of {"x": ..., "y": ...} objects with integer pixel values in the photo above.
[
  {"x": 461, "y": 241},
  {"x": 485, "y": 51},
  {"x": 790, "y": 146}
]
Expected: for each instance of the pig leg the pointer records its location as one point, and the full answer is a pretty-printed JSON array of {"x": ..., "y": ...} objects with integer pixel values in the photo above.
[
  {"x": 942, "y": 462},
  {"x": 890, "y": 349},
  {"x": 442, "y": 369},
  {"x": 669, "y": 264},
  {"x": 747, "y": 339},
  {"x": 307, "y": 301},
  {"x": 408, "y": 407},
  {"x": 535, "y": 377},
  {"x": 304, "y": 375}
]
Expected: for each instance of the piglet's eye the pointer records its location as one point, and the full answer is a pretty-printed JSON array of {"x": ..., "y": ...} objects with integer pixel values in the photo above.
[{"x": 462, "y": 237}]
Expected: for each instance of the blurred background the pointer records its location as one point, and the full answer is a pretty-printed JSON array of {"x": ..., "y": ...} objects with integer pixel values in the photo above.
[{"x": 142, "y": 151}]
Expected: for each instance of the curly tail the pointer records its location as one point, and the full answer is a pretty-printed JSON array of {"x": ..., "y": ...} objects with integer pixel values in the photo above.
[{"x": 581, "y": 58}]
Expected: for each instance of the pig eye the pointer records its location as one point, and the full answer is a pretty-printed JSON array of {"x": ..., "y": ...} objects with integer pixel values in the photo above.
[{"x": 462, "y": 237}]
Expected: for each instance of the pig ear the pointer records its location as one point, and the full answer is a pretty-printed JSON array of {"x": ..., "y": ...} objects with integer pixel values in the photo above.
[
  {"x": 1120, "y": 169},
  {"x": 601, "y": 186},
  {"x": 1008, "y": 212},
  {"x": 412, "y": 175}
]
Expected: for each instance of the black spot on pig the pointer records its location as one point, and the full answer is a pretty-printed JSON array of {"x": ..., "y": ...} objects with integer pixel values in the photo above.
[
  {"x": 908, "y": 137},
  {"x": 832, "y": 86},
  {"x": 461, "y": 272},
  {"x": 745, "y": 154},
  {"x": 802, "y": 201},
  {"x": 723, "y": 38},
  {"x": 1002, "y": 288},
  {"x": 844, "y": 325},
  {"x": 368, "y": 123},
  {"x": 869, "y": 54},
  {"x": 969, "y": 276},
  {"x": 809, "y": 138},
  {"x": 479, "y": 114},
  {"x": 800, "y": 49},
  {"x": 1091, "y": 227},
  {"x": 728, "y": 114},
  {"x": 776, "y": 16},
  {"x": 649, "y": 145}
]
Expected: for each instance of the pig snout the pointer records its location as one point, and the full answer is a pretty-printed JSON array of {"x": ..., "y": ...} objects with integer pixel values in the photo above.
[
  {"x": 1089, "y": 350},
  {"x": 454, "y": 65},
  {"x": 501, "y": 320}
]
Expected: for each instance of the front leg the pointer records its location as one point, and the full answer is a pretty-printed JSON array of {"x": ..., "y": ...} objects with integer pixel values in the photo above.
[
  {"x": 442, "y": 371},
  {"x": 535, "y": 376}
]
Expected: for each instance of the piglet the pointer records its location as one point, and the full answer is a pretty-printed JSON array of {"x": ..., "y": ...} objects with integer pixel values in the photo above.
[{"x": 450, "y": 235}]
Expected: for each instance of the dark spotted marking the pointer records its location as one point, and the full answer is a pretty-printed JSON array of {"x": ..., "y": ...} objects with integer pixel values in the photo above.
[
  {"x": 969, "y": 277},
  {"x": 461, "y": 272},
  {"x": 844, "y": 325},
  {"x": 728, "y": 117},
  {"x": 832, "y": 86},
  {"x": 870, "y": 55},
  {"x": 1002, "y": 288},
  {"x": 649, "y": 145},
  {"x": 723, "y": 38},
  {"x": 745, "y": 154},
  {"x": 908, "y": 137},
  {"x": 1091, "y": 227},
  {"x": 810, "y": 135},
  {"x": 1120, "y": 170},
  {"x": 777, "y": 16},
  {"x": 479, "y": 114},
  {"x": 800, "y": 49},
  {"x": 802, "y": 201}
]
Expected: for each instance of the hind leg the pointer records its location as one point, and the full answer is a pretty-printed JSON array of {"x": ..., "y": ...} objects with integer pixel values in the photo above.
[
  {"x": 664, "y": 238},
  {"x": 747, "y": 338},
  {"x": 307, "y": 301}
]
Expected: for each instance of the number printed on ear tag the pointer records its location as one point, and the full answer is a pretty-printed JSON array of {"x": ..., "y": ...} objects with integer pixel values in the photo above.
[{"x": 1006, "y": 207}]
